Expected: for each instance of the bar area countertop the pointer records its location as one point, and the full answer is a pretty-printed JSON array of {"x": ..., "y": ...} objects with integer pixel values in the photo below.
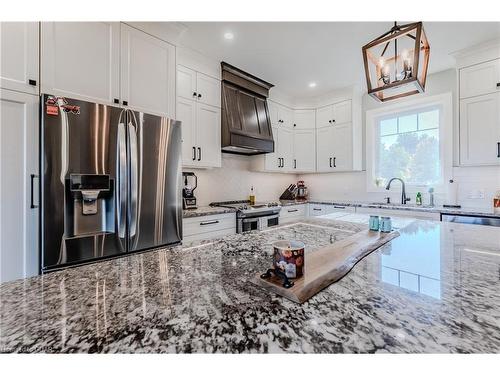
[{"x": 433, "y": 289}]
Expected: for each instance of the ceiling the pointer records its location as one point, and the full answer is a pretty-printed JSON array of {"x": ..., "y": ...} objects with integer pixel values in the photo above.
[{"x": 293, "y": 54}]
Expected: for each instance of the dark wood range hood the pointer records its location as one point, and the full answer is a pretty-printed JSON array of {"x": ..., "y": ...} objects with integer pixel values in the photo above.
[{"x": 246, "y": 125}]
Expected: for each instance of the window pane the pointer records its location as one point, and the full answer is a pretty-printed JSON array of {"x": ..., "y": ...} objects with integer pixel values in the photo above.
[
  {"x": 428, "y": 120},
  {"x": 409, "y": 152},
  {"x": 408, "y": 123},
  {"x": 389, "y": 126}
]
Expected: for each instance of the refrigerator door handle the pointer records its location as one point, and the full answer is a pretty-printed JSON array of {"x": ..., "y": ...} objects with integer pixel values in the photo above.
[
  {"x": 132, "y": 136},
  {"x": 122, "y": 181}
]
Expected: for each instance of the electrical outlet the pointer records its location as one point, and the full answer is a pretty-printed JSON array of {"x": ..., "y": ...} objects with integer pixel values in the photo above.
[{"x": 476, "y": 194}]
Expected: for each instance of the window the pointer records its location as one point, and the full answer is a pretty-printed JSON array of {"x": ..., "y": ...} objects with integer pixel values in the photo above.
[{"x": 407, "y": 146}]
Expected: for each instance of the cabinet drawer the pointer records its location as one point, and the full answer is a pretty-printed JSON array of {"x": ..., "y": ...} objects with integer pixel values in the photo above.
[
  {"x": 208, "y": 235},
  {"x": 292, "y": 212},
  {"x": 210, "y": 223},
  {"x": 326, "y": 209}
]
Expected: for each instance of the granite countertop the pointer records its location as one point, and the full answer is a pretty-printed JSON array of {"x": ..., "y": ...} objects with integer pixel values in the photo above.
[
  {"x": 433, "y": 289},
  {"x": 206, "y": 211},
  {"x": 405, "y": 207}
]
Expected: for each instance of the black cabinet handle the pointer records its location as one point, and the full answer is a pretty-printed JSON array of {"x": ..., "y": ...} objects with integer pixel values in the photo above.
[
  {"x": 294, "y": 163},
  {"x": 341, "y": 207},
  {"x": 330, "y": 162},
  {"x": 33, "y": 176},
  {"x": 209, "y": 222},
  {"x": 125, "y": 102},
  {"x": 317, "y": 209},
  {"x": 194, "y": 153},
  {"x": 116, "y": 101},
  {"x": 195, "y": 94},
  {"x": 32, "y": 82},
  {"x": 498, "y": 149},
  {"x": 333, "y": 121},
  {"x": 199, "y": 153},
  {"x": 334, "y": 164},
  {"x": 498, "y": 84},
  {"x": 330, "y": 121},
  {"x": 293, "y": 210},
  {"x": 199, "y": 96},
  {"x": 294, "y": 125}
]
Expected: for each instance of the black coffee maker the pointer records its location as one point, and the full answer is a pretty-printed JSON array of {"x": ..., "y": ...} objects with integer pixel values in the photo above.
[{"x": 190, "y": 185}]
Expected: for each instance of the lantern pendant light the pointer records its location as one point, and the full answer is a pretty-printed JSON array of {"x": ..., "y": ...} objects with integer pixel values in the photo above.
[{"x": 396, "y": 62}]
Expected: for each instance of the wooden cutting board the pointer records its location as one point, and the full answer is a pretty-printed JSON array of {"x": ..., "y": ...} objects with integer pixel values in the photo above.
[{"x": 328, "y": 265}]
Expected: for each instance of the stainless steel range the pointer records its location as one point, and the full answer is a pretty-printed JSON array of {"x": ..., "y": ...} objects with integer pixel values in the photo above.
[{"x": 253, "y": 217}]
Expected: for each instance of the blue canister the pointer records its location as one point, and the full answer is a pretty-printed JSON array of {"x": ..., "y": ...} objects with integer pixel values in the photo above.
[
  {"x": 374, "y": 222},
  {"x": 385, "y": 224}
]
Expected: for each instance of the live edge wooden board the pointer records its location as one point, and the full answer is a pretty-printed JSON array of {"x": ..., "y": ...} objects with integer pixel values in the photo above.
[{"x": 328, "y": 265}]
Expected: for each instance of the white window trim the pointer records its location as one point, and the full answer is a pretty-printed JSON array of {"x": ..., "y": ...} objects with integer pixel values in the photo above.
[{"x": 445, "y": 101}]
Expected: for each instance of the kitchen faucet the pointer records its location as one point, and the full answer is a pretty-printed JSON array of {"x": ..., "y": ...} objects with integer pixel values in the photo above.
[{"x": 403, "y": 191}]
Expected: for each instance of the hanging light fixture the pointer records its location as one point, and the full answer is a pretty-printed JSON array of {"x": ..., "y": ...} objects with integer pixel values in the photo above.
[{"x": 396, "y": 62}]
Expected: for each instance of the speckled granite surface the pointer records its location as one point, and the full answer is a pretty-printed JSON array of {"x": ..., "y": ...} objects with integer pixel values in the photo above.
[
  {"x": 400, "y": 207},
  {"x": 206, "y": 211},
  {"x": 433, "y": 289}
]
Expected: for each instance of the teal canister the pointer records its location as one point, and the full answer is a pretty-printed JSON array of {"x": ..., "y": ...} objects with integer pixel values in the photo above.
[
  {"x": 385, "y": 224},
  {"x": 374, "y": 222}
]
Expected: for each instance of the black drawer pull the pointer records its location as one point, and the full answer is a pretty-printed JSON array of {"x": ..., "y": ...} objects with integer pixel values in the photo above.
[
  {"x": 341, "y": 207},
  {"x": 32, "y": 176},
  {"x": 209, "y": 222},
  {"x": 199, "y": 153},
  {"x": 317, "y": 209},
  {"x": 334, "y": 163},
  {"x": 498, "y": 149},
  {"x": 498, "y": 84},
  {"x": 330, "y": 162},
  {"x": 199, "y": 96},
  {"x": 125, "y": 102},
  {"x": 194, "y": 153},
  {"x": 32, "y": 82},
  {"x": 116, "y": 101},
  {"x": 292, "y": 210}
]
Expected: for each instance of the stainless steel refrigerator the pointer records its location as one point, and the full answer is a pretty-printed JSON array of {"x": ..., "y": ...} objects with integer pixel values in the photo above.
[{"x": 110, "y": 181}]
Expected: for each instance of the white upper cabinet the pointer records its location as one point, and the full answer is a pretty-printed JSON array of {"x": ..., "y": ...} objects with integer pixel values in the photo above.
[
  {"x": 304, "y": 119},
  {"x": 342, "y": 112},
  {"x": 186, "y": 113},
  {"x": 81, "y": 60},
  {"x": 285, "y": 149},
  {"x": 18, "y": 185},
  {"x": 280, "y": 115},
  {"x": 147, "y": 72},
  {"x": 272, "y": 161},
  {"x": 480, "y": 79},
  {"x": 480, "y": 130},
  {"x": 304, "y": 150},
  {"x": 324, "y": 116},
  {"x": 342, "y": 147},
  {"x": 324, "y": 146},
  {"x": 208, "y": 136},
  {"x": 197, "y": 86},
  {"x": 19, "y": 56}
]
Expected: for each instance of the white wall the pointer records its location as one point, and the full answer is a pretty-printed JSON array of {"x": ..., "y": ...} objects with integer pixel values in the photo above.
[
  {"x": 471, "y": 181},
  {"x": 233, "y": 181}
]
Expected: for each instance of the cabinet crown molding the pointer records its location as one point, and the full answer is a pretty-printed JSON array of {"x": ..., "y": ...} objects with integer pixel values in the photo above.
[{"x": 479, "y": 53}]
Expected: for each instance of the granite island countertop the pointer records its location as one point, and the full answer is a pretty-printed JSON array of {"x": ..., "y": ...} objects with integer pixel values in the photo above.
[{"x": 433, "y": 289}]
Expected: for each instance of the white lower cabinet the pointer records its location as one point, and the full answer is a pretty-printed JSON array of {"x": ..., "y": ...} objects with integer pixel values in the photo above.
[
  {"x": 329, "y": 209},
  {"x": 207, "y": 227},
  {"x": 19, "y": 185},
  {"x": 293, "y": 213}
]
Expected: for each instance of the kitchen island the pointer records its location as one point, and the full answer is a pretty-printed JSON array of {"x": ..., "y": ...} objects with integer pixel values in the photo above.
[{"x": 433, "y": 289}]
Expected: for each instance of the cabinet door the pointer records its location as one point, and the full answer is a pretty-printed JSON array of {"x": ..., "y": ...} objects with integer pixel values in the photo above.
[
  {"x": 480, "y": 79},
  {"x": 186, "y": 113},
  {"x": 304, "y": 119},
  {"x": 208, "y": 136},
  {"x": 480, "y": 130},
  {"x": 342, "y": 147},
  {"x": 324, "y": 150},
  {"x": 304, "y": 146},
  {"x": 18, "y": 163},
  {"x": 286, "y": 116},
  {"x": 81, "y": 60},
  {"x": 342, "y": 112},
  {"x": 324, "y": 116},
  {"x": 285, "y": 148},
  {"x": 147, "y": 72},
  {"x": 208, "y": 90},
  {"x": 272, "y": 162},
  {"x": 186, "y": 83},
  {"x": 19, "y": 56}
]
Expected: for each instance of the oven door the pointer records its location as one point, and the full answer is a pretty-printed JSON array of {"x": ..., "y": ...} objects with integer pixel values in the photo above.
[
  {"x": 248, "y": 224},
  {"x": 269, "y": 221}
]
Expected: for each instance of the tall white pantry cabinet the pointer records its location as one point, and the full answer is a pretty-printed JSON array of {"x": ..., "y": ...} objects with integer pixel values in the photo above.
[{"x": 106, "y": 62}]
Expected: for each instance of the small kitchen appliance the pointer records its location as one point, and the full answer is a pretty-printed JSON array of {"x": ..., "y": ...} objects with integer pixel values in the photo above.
[
  {"x": 190, "y": 185},
  {"x": 301, "y": 191},
  {"x": 250, "y": 217}
]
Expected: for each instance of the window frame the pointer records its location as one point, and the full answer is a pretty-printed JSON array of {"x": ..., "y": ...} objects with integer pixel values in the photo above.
[{"x": 442, "y": 101}]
